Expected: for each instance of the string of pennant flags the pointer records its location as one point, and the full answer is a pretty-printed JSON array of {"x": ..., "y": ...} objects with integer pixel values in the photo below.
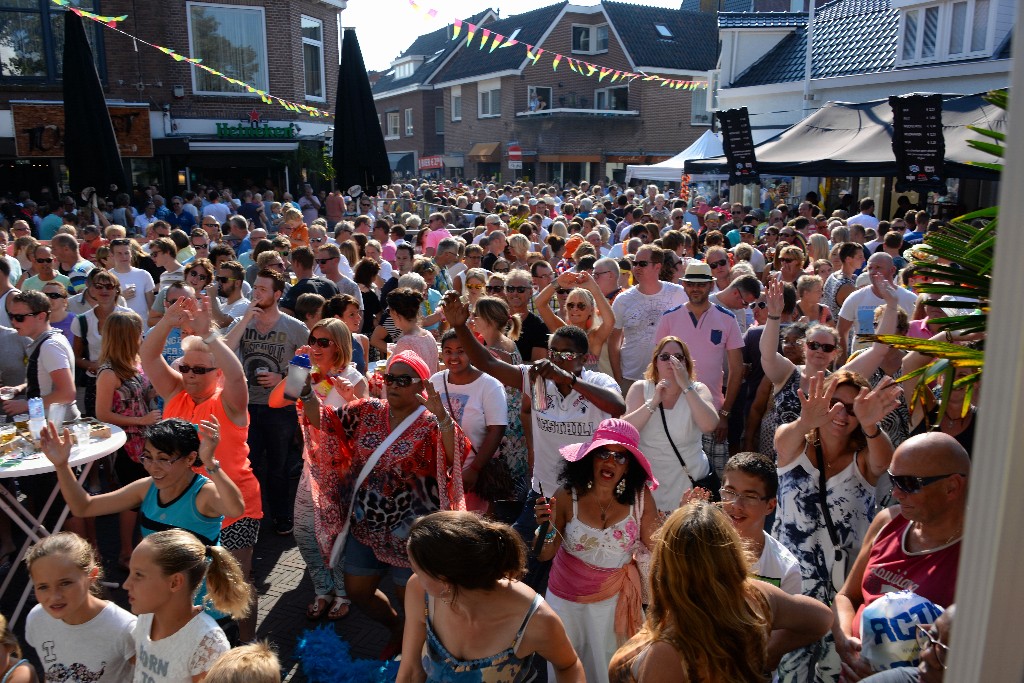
[
  {"x": 265, "y": 97},
  {"x": 534, "y": 54}
]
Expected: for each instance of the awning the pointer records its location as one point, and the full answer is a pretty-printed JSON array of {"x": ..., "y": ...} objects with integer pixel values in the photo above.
[
  {"x": 198, "y": 146},
  {"x": 485, "y": 152},
  {"x": 570, "y": 158}
]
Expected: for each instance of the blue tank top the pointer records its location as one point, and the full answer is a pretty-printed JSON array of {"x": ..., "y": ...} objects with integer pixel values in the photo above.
[
  {"x": 180, "y": 513},
  {"x": 504, "y": 667},
  {"x": 358, "y": 357}
]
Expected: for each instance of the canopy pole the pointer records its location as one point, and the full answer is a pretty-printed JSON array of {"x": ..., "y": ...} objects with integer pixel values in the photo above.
[{"x": 809, "y": 59}]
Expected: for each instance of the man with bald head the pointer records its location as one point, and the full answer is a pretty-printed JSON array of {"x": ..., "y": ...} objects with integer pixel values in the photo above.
[
  {"x": 911, "y": 546},
  {"x": 857, "y": 314}
]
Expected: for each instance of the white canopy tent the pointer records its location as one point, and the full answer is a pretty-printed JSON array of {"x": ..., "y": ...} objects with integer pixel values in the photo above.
[{"x": 706, "y": 146}]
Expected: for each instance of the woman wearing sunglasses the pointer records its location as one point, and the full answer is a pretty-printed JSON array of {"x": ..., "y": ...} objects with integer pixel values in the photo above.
[
  {"x": 602, "y": 514},
  {"x": 60, "y": 317},
  {"x": 400, "y": 458},
  {"x": 672, "y": 412},
  {"x": 105, "y": 289},
  {"x": 476, "y": 284},
  {"x": 316, "y": 500},
  {"x": 836, "y": 441},
  {"x": 585, "y": 306}
]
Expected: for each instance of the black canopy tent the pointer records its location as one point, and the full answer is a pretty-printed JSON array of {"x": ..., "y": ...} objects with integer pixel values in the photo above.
[{"x": 843, "y": 139}]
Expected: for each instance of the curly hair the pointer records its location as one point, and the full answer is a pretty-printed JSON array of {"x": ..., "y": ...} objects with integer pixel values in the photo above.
[{"x": 579, "y": 476}]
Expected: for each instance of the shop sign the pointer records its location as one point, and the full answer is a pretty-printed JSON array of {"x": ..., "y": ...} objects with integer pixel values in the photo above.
[
  {"x": 431, "y": 163},
  {"x": 739, "y": 146},
  {"x": 240, "y": 131},
  {"x": 39, "y": 130}
]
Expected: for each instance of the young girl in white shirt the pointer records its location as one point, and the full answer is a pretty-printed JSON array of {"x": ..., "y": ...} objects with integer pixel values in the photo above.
[
  {"x": 174, "y": 641},
  {"x": 76, "y": 634}
]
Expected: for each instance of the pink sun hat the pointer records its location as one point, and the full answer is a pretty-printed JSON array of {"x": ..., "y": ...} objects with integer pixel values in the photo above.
[{"x": 612, "y": 431}]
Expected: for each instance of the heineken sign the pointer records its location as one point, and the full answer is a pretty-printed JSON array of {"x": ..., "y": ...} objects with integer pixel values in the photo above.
[{"x": 227, "y": 131}]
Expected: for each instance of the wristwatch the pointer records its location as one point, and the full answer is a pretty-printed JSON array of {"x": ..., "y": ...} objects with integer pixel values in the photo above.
[
  {"x": 723, "y": 413},
  {"x": 213, "y": 467}
]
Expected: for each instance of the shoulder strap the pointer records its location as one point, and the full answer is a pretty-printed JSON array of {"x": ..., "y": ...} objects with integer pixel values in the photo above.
[
  {"x": 823, "y": 496},
  {"x": 526, "y": 620},
  {"x": 686, "y": 470},
  {"x": 451, "y": 410}
]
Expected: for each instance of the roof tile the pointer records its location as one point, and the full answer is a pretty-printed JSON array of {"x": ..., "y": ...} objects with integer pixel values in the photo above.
[{"x": 693, "y": 45}]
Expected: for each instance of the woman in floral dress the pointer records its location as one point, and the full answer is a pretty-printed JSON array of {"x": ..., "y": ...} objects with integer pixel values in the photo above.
[{"x": 603, "y": 513}]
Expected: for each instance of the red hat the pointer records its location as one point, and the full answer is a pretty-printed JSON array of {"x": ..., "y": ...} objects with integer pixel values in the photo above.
[{"x": 612, "y": 431}]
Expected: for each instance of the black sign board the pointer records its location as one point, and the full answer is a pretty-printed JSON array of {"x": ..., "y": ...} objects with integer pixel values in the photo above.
[
  {"x": 917, "y": 142},
  {"x": 739, "y": 146}
]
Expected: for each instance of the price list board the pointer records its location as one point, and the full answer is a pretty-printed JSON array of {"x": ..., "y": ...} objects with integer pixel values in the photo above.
[
  {"x": 738, "y": 145},
  {"x": 917, "y": 141}
]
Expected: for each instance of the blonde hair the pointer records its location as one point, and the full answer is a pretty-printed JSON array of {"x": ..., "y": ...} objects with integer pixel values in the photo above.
[
  {"x": 342, "y": 338},
  {"x": 595, "y": 317},
  {"x": 177, "y": 551},
  {"x": 497, "y": 312},
  {"x": 8, "y": 639},
  {"x": 253, "y": 663},
  {"x": 817, "y": 247},
  {"x": 120, "y": 342},
  {"x": 76, "y": 549},
  {"x": 520, "y": 245},
  {"x": 290, "y": 214}
]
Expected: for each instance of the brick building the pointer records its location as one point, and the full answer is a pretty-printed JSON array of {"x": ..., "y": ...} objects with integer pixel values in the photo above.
[
  {"x": 585, "y": 129},
  {"x": 197, "y": 123}
]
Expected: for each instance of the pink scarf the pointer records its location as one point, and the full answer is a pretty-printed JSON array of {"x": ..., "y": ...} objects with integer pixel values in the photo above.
[{"x": 578, "y": 581}]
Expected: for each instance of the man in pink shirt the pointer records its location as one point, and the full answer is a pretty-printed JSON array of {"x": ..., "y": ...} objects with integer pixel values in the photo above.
[
  {"x": 712, "y": 334},
  {"x": 438, "y": 231},
  {"x": 335, "y": 208}
]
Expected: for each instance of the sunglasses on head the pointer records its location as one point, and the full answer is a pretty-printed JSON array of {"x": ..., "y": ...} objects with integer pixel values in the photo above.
[
  {"x": 563, "y": 355},
  {"x": 666, "y": 357},
  {"x": 910, "y": 484},
  {"x": 619, "y": 458},
  {"x": 521, "y": 289},
  {"x": 401, "y": 380},
  {"x": 322, "y": 342},
  {"x": 718, "y": 264},
  {"x": 121, "y": 242},
  {"x": 819, "y": 346},
  {"x": 194, "y": 369},
  {"x": 20, "y": 317}
]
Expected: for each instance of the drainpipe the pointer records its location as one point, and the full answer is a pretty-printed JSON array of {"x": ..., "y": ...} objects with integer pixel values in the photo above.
[{"x": 808, "y": 59}]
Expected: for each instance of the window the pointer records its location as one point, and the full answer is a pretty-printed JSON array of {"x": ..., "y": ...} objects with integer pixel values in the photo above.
[
  {"x": 408, "y": 122},
  {"x": 457, "y": 103},
  {"x": 489, "y": 98},
  {"x": 439, "y": 120},
  {"x": 663, "y": 31},
  {"x": 538, "y": 98},
  {"x": 937, "y": 32},
  {"x": 404, "y": 70},
  {"x": 392, "y": 132},
  {"x": 232, "y": 40},
  {"x": 32, "y": 39},
  {"x": 699, "y": 115},
  {"x": 313, "y": 57},
  {"x": 615, "y": 99},
  {"x": 590, "y": 40}
]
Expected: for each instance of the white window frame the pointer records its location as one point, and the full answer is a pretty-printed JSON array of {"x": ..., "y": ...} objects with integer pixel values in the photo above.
[
  {"x": 592, "y": 39},
  {"x": 944, "y": 33},
  {"x": 266, "y": 53},
  {"x": 408, "y": 123},
  {"x": 319, "y": 44},
  {"x": 392, "y": 131},
  {"x": 606, "y": 92},
  {"x": 531, "y": 89},
  {"x": 456, "y": 93},
  {"x": 699, "y": 114},
  {"x": 404, "y": 70},
  {"x": 485, "y": 92}
]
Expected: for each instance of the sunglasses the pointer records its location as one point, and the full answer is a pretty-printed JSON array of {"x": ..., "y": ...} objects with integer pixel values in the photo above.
[
  {"x": 718, "y": 264},
  {"x": 194, "y": 369},
  {"x": 198, "y": 273},
  {"x": 787, "y": 260},
  {"x": 562, "y": 291},
  {"x": 276, "y": 264},
  {"x": 322, "y": 342},
  {"x": 44, "y": 260},
  {"x": 103, "y": 287},
  {"x": 926, "y": 639},
  {"x": 284, "y": 253},
  {"x": 787, "y": 234},
  {"x": 495, "y": 289},
  {"x": 224, "y": 280},
  {"x": 503, "y": 271},
  {"x": 818, "y": 346},
  {"x": 642, "y": 264},
  {"x": 758, "y": 304},
  {"x": 521, "y": 289},
  {"x": 401, "y": 380},
  {"x": 149, "y": 460},
  {"x": 323, "y": 261},
  {"x": 316, "y": 239},
  {"x": 563, "y": 355},
  {"x": 619, "y": 458},
  {"x": 121, "y": 242},
  {"x": 20, "y": 317},
  {"x": 54, "y": 295},
  {"x": 910, "y": 484},
  {"x": 200, "y": 246},
  {"x": 576, "y": 306},
  {"x": 848, "y": 407},
  {"x": 669, "y": 356},
  {"x": 211, "y": 225},
  {"x": 475, "y": 286}
]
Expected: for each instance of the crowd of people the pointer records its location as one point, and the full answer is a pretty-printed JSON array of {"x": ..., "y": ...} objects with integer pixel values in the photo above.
[{"x": 589, "y": 432}]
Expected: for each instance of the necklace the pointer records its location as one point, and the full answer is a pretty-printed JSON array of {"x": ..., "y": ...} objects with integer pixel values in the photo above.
[
  {"x": 604, "y": 512},
  {"x": 955, "y": 535}
]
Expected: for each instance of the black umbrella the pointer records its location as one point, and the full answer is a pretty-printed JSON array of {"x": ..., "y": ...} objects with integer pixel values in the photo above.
[
  {"x": 360, "y": 157},
  {"x": 90, "y": 147}
]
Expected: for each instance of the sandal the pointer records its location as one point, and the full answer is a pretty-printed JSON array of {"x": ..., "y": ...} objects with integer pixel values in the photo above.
[
  {"x": 339, "y": 608},
  {"x": 315, "y": 610}
]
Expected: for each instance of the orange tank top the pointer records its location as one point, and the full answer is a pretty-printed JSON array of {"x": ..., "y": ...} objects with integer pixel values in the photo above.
[{"x": 232, "y": 451}]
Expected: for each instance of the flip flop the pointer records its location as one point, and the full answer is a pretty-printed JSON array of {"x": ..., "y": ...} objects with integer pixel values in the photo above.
[
  {"x": 339, "y": 608},
  {"x": 315, "y": 610}
]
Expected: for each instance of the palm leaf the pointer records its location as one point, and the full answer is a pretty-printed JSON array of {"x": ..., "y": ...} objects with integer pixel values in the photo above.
[{"x": 994, "y": 134}]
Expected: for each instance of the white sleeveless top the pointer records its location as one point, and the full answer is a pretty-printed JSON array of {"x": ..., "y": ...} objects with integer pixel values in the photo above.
[{"x": 609, "y": 548}]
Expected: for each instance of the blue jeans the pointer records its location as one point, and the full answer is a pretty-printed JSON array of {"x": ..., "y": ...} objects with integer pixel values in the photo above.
[
  {"x": 271, "y": 431},
  {"x": 536, "y": 571}
]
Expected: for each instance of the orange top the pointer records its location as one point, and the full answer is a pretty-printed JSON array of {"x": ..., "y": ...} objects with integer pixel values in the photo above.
[{"x": 232, "y": 451}]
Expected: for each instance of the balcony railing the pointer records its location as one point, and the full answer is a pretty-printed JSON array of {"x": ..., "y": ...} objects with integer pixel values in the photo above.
[{"x": 565, "y": 112}]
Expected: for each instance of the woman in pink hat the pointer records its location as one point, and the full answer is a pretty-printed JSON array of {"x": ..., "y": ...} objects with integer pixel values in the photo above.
[{"x": 599, "y": 518}]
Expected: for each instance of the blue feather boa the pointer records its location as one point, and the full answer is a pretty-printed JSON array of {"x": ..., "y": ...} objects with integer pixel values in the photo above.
[{"x": 325, "y": 658}]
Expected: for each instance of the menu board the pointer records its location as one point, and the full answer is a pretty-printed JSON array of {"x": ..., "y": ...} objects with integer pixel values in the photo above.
[
  {"x": 917, "y": 141},
  {"x": 739, "y": 146}
]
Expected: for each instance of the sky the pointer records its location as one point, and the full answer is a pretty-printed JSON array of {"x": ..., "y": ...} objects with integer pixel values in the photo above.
[{"x": 382, "y": 40}]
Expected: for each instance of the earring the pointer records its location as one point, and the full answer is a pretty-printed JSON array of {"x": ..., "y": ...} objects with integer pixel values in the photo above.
[
  {"x": 590, "y": 484},
  {"x": 620, "y": 488},
  {"x": 446, "y": 592}
]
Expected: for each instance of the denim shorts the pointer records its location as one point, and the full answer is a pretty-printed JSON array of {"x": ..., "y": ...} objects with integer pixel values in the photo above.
[{"x": 361, "y": 561}]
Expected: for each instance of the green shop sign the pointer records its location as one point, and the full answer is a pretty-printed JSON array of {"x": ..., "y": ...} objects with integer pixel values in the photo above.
[{"x": 226, "y": 131}]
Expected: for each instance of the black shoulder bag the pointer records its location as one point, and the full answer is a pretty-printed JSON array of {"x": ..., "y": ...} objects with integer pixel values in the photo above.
[
  {"x": 842, "y": 558},
  {"x": 711, "y": 482},
  {"x": 494, "y": 481}
]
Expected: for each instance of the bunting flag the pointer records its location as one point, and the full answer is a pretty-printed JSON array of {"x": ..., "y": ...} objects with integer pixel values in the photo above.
[
  {"x": 265, "y": 97},
  {"x": 533, "y": 54}
]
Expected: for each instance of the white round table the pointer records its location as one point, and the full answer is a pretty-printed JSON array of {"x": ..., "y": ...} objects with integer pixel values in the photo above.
[{"x": 32, "y": 464}]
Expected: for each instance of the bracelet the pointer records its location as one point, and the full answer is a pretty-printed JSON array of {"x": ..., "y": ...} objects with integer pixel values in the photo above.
[
  {"x": 689, "y": 388},
  {"x": 210, "y": 337},
  {"x": 878, "y": 431},
  {"x": 213, "y": 467},
  {"x": 649, "y": 407},
  {"x": 723, "y": 413},
  {"x": 447, "y": 425},
  {"x": 548, "y": 537},
  {"x": 949, "y": 336},
  {"x": 775, "y": 317},
  {"x": 572, "y": 384},
  {"x": 306, "y": 394}
]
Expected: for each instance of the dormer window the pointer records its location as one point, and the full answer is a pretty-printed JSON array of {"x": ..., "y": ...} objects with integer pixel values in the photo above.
[
  {"x": 945, "y": 31},
  {"x": 404, "y": 70}
]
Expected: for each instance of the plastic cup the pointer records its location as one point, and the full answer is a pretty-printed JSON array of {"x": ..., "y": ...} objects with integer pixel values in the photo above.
[
  {"x": 83, "y": 434},
  {"x": 56, "y": 414},
  {"x": 298, "y": 371}
]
